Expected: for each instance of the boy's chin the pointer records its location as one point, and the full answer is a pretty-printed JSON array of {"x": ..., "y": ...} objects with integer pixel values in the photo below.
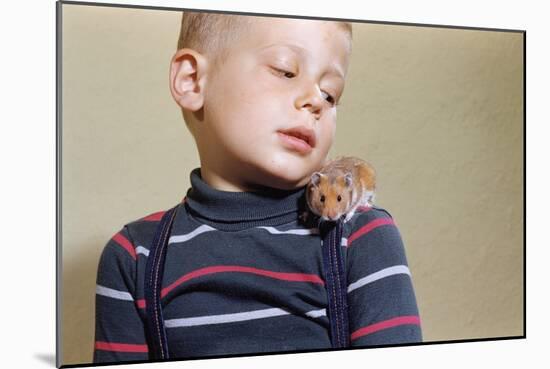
[{"x": 288, "y": 177}]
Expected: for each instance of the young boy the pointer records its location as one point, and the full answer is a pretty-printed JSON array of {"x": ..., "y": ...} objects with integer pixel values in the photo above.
[{"x": 243, "y": 274}]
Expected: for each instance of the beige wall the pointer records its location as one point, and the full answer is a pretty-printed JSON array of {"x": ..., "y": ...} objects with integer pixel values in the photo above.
[{"x": 437, "y": 111}]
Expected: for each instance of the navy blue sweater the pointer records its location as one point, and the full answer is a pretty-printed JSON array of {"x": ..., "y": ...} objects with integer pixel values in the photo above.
[{"x": 244, "y": 274}]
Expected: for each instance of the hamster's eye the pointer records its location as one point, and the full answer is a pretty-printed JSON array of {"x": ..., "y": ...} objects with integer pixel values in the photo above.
[
  {"x": 322, "y": 198},
  {"x": 339, "y": 198}
]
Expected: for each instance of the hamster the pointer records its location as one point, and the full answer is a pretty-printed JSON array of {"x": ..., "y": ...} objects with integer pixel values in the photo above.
[{"x": 340, "y": 187}]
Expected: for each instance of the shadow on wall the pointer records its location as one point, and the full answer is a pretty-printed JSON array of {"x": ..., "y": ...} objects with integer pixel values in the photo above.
[{"x": 78, "y": 301}]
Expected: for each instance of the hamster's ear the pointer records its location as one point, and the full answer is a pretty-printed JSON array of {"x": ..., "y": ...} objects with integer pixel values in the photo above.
[
  {"x": 316, "y": 178},
  {"x": 348, "y": 179},
  {"x": 187, "y": 78}
]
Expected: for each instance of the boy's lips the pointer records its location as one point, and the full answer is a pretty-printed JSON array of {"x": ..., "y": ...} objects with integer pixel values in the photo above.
[{"x": 300, "y": 138}]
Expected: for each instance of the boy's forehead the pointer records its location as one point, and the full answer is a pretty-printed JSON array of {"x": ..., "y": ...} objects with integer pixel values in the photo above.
[
  {"x": 303, "y": 36},
  {"x": 265, "y": 29}
]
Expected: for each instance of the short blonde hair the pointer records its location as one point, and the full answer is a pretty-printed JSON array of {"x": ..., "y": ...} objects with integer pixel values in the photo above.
[{"x": 213, "y": 34}]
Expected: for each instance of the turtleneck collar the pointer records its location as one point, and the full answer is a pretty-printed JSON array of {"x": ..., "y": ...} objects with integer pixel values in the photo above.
[{"x": 232, "y": 211}]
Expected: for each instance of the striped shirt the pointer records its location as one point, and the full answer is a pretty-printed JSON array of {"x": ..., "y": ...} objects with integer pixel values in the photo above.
[{"x": 244, "y": 274}]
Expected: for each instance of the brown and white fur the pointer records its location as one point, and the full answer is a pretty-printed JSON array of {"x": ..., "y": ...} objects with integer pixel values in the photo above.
[{"x": 340, "y": 187}]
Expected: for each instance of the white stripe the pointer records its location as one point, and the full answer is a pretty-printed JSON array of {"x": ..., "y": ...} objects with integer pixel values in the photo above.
[
  {"x": 398, "y": 269},
  {"x": 109, "y": 292},
  {"x": 236, "y": 317},
  {"x": 301, "y": 232},
  {"x": 186, "y": 237},
  {"x": 343, "y": 242},
  {"x": 224, "y": 318},
  {"x": 142, "y": 250},
  {"x": 317, "y": 313}
]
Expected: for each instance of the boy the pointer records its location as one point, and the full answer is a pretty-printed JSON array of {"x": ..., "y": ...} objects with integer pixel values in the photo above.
[{"x": 243, "y": 274}]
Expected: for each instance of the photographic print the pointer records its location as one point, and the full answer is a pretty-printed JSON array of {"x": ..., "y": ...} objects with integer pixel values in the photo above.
[{"x": 237, "y": 184}]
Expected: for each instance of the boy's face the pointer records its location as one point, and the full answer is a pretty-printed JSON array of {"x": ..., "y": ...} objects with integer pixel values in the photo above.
[{"x": 281, "y": 75}]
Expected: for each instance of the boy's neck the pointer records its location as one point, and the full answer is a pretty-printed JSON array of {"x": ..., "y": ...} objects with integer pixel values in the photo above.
[
  {"x": 220, "y": 183},
  {"x": 232, "y": 184},
  {"x": 231, "y": 211}
]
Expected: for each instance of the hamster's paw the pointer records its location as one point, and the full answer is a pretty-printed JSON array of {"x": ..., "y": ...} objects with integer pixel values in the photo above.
[
  {"x": 368, "y": 198},
  {"x": 371, "y": 199},
  {"x": 304, "y": 217},
  {"x": 349, "y": 215}
]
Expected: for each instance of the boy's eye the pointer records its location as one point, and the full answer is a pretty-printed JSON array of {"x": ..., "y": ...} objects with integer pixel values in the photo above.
[
  {"x": 330, "y": 99},
  {"x": 285, "y": 73}
]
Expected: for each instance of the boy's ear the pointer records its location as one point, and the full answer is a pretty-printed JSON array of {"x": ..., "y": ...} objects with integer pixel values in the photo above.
[{"x": 187, "y": 78}]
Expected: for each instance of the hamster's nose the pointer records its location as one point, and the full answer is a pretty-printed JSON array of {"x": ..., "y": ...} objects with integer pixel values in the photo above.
[{"x": 333, "y": 216}]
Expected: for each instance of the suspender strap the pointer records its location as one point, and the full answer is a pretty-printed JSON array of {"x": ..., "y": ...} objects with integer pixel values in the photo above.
[
  {"x": 154, "y": 323},
  {"x": 336, "y": 283}
]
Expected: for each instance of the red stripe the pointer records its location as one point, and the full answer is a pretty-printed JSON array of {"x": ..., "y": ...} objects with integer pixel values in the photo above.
[
  {"x": 369, "y": 227},
  {"x": 123, "y": 241},
  {"x": 401, "y": 320},
  {"x": 155, "y": 217},
  {"x": 363, "y": 209},
  {"x": 120, "y": 347},
  {"x": 293, "y": 277}
]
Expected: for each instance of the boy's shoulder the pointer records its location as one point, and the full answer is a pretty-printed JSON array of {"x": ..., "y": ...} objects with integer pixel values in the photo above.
[
  {"x": 138, "y": 232},
  {"x": 367, "y": 219},
  {"x": 142, "y": 229},
  {"x": 148, "y": 222},
  {"x": 133, "y": 236},
  {"x": 367, "y": 214}
]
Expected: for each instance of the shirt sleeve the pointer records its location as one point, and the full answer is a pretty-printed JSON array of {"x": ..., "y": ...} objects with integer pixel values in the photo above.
[
  {"x": 381, "y": 299},
  {"x": 119, "y": 330}
]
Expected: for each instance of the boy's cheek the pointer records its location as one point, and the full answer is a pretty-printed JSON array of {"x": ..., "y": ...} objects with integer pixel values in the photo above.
[
  {"x": 330, "y": 132},
  {"x": 325, "y": 144}
]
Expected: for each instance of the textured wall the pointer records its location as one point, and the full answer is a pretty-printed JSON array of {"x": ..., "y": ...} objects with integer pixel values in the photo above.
[{"x": 437, "y": 111}]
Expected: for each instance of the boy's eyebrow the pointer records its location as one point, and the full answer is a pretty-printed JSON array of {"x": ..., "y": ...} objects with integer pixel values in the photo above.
[
  {"x": 296, "y": 48},
  {"x": 334, "y": 69}
]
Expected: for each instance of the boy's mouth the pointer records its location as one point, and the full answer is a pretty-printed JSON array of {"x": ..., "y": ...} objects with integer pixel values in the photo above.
[{"x": 301, "y": 133}]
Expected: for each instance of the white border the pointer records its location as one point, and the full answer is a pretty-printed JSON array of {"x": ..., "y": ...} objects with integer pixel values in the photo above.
[{"x": 27, "y": 151}]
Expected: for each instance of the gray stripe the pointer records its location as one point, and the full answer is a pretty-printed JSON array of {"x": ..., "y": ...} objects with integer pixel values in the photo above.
[
  {"x": 186, "y": 237},
  {"x": 317, "y": 313},
  {"x": 224, "y": 318},
  {"x": 109, "y": 292},
  {"x": 398, "y": 269},
  {"x": 300, "y": 232},
  {"x": 236, "y": 317},
  {"x": 142, "y": 250}
]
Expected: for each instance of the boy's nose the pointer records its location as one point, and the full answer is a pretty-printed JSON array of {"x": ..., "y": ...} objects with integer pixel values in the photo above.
[{"x": 312, "y": 100}]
